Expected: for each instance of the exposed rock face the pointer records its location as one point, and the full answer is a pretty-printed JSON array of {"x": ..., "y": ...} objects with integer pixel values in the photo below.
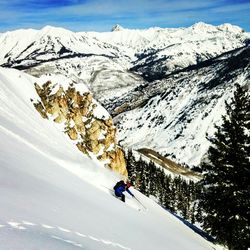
[{"x": 93, "y": 135}]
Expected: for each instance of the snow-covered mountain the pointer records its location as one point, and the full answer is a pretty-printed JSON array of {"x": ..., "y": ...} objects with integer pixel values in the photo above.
[
  {"x": 111, "y": 63},
  {"x": 53, "y": 197},
  {"x": 145, "y": 76},
  {"x": 177, "y": 112}
]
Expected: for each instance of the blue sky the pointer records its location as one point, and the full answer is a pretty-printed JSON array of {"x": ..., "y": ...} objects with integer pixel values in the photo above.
[{"x": 101, "y": 15}]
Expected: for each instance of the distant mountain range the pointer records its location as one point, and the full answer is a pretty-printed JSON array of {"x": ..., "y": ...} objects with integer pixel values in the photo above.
[{"x": 165, "y": 88}]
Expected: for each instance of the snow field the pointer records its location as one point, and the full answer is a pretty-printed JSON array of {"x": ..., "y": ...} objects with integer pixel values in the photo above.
[{"x": 52, "y": 197}]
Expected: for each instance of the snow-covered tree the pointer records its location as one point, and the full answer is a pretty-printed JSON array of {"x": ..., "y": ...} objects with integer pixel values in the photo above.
[{"x": 225, "y": 195}]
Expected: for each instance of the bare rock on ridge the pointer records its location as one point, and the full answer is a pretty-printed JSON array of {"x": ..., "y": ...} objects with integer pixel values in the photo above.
[{"x": 93, "y": 136}]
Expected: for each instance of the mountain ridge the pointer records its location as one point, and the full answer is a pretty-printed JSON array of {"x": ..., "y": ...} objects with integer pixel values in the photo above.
[
  {"x": 118, "y": 66},
  {"x": 177, "y": 112}
]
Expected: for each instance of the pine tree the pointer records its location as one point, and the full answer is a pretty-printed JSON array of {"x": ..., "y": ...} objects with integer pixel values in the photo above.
[
  {"x": 172, "y": 193},
  {"x": 167, "y": 192},
  {"x": 131, "y": 165},
  {"x": 225, "y": 194}
]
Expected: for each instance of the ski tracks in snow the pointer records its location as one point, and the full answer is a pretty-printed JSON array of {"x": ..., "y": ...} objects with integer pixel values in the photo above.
[{"x": 55, "y": 231}]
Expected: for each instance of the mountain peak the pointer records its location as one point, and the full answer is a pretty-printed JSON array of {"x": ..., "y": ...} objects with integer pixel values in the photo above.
[
  {"x": 202, "y": 26},
  {"x": 53, "y": 30},
  {"x": 227, "y": 27},
  {"x": 231, "y": 28},
  {"x": 117, "y": 27},
  {"x": 48, "y": 28}
]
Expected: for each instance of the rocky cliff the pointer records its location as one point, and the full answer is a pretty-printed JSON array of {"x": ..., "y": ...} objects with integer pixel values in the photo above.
[{"x": 93, "y": 134}]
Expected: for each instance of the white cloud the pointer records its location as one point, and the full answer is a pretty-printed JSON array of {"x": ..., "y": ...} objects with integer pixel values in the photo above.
[{"x": 233, "y": 8}]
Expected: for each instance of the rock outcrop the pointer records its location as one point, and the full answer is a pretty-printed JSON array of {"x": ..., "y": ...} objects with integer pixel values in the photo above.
[{"x": 93, "y": 135}]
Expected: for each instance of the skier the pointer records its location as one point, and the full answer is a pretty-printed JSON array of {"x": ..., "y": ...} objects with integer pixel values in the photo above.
[{"x": 121, "y": 187}]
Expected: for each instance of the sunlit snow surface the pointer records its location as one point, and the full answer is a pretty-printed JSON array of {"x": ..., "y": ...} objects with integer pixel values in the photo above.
[
  {"x": 52, "y": 197},
  {"x": 114, "y": 64}
]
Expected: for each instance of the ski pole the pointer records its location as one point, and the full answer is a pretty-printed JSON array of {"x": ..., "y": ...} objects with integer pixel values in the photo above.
[{"x": 140, "y": 203}]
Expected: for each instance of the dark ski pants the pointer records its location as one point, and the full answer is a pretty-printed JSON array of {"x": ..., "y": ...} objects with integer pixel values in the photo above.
[{"x": 121, "y": 195}]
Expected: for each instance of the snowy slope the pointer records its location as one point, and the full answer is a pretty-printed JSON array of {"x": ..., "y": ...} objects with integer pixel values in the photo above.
[
  {"x": 48, "y": 43},
  {"x": 52, "y": 197},
  {"x": 178, "y": 111}
]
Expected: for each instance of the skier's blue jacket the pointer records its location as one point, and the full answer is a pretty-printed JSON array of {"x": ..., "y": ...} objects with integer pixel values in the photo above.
[{"x": 120, "y": 189}]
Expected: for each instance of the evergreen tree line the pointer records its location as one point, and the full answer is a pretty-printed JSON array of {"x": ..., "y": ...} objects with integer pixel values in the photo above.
[
  {"x": 225, "y": 187},
  {"x": 221, "y": 200},
  {"x": 172, "y": 193}
]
